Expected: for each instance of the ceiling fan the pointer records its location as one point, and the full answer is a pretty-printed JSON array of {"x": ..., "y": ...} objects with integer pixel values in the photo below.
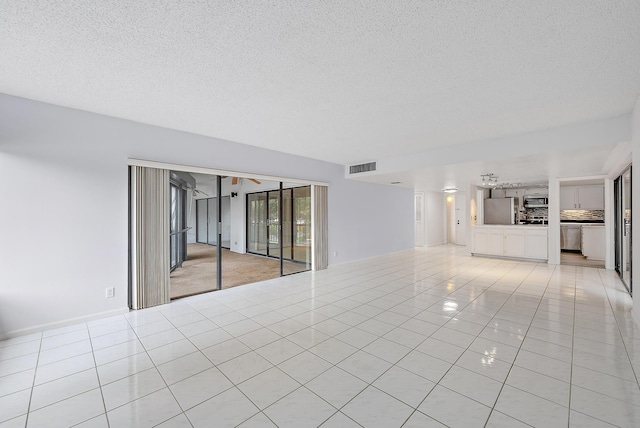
[{"x": 235, "y": 180}]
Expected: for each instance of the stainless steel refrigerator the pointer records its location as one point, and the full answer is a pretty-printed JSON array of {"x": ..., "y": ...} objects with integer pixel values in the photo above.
[{"x": 500, "y": 211}]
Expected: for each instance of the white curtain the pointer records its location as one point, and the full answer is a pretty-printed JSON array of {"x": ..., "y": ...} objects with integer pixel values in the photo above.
[{"x": 150, "y": 203}]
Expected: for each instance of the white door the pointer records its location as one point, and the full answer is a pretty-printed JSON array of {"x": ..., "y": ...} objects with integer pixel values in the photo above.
[
  {"x": 461, "y": 219},
  {"x": 419, "y": 219}
]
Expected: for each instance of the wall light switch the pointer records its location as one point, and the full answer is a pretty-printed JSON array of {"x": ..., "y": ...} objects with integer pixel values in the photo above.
[{"x": 111, "y": 292}]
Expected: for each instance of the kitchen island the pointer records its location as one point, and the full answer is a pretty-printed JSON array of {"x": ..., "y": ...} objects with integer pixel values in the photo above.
[{"x": 512, "y": 241}]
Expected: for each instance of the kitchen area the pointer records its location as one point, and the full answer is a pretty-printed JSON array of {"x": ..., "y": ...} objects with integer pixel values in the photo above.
[
  {"x": 582, "y": 224},
  {"x": 512, "y": 222}
]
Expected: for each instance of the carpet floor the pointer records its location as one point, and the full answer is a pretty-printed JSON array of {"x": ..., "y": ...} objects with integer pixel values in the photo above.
[{"x": 199, "y": 272}]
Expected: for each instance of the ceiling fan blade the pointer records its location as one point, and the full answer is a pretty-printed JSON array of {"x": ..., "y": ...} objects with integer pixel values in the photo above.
[
  {"x": 234, "y": 180},
  {"x": 254, "y": 180},
  {"x": 199, "y": 192}
]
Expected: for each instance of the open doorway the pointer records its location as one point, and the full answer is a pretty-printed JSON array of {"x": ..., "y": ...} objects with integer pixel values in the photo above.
[
  {"x": 582, "y": 223},
  {"x": 456, "y": 215},
  {"x": 235, "y": 231},
  {"x": 204, "y": 221}
]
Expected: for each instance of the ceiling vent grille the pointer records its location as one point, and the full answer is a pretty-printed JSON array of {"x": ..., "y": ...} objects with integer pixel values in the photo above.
[{"x": 363, "y": 167}]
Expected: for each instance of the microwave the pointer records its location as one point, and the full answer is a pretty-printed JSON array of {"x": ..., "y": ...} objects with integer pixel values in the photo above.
[{"x": 536, "y": 201}]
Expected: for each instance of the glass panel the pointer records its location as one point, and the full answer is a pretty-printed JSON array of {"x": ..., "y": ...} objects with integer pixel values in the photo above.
[
  {"x": 212, "y": 221},
  {"x": 301, "y": 215},
  {"x": 177, "y": 235},
  {"x": 626, "y": 228},
  {"x": 273, "y": 223},
  {"x": 256, "y": 223},
  {"x": 173, "y": 227},
  {"x": 226, "y": 222},
  {"x": 287, "y": 224},
  {"x": 201, "y": 213}
]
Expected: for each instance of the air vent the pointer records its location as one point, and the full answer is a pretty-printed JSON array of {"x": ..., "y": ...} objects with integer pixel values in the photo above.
[{"x": 364, "y": 167}]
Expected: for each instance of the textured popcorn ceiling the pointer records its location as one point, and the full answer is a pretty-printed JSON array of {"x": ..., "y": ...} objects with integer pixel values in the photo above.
[{"x": 343, "y": 81}]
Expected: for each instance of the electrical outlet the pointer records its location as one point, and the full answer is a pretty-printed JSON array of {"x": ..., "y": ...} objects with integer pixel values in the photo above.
[
  {"x": 111, "y": 292},
  {"x": 335, "y": 254}
]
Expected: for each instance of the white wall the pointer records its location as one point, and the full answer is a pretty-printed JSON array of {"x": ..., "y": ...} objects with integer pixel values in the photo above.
[
  {"x": 64, "y": 212},
  {"x": 635, "y": 212},
  {"x": 435, "y": 221}
]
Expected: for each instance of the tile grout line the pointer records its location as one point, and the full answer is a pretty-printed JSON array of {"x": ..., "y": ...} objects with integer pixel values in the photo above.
[
  {"x": 519, "y": 348},
  {"x": 468, "y": 347},
  {"x": 573, "y": 347},
  {"x": 104, "y": 405},
  {"x": 624, "y": 342},
  {"x": 33, "y": 384}
]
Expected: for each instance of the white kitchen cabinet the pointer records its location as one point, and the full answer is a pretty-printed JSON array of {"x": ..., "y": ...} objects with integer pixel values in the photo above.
[
  {"x": 514, "y": 242},
  {"x": 496, "y": 241},
  {"x": 536, "y": 243},
  {"x": 593, "y": 242},
  {"x": 481, "y": 241},
  {"x": 589, "y": 197},
  {"x": 511, "y": 241},
  {"x": 568, "y": 198}
]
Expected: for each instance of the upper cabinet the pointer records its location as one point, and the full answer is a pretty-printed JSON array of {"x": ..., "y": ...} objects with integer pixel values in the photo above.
[{"x": 582, "y": 197}]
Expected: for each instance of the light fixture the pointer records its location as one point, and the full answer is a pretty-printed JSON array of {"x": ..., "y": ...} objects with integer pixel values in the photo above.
[
  {"x": 489, "y": 179},
  {"x": 450, "y": 189}
]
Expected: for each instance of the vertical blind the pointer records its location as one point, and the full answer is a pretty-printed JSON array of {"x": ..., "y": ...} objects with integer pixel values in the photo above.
[
  {"x": 150, "y": 236},
  {"x": 320, "y": 228}
]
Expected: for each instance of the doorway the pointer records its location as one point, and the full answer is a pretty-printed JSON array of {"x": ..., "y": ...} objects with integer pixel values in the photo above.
[
  {"x": 461, "y": 218},
  {"x": 274, "y": 217},
  {"x": 169, "y": 211},
  {"x": 419, "y": 219},
  {"x": 456, "y": 216}
]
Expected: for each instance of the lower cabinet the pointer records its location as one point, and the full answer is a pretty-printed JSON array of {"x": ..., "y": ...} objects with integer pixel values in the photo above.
[
  {"x": 520, "y": 242},
  {"x": 537, "y": 244},
  {"x": 514, "y": 242}
]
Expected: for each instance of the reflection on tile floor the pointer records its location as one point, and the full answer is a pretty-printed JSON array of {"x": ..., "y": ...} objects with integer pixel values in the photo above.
[{"x": 430, "y": 337}]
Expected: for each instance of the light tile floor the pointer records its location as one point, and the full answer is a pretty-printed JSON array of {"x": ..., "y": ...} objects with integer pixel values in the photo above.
[{"x": 423, "y": 338}]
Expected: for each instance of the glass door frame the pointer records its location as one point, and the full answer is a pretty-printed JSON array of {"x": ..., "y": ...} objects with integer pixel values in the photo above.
[
  {"x": 280, "y": 232},
  {"x": 177, "y": 237},
  {"x": 620, "y": 228}
]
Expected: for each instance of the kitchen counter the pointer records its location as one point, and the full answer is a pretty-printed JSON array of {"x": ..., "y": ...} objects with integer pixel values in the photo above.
[
  {"x": 521, "y": 241},
  {"x": 519, "y": 226},
  {"x": 593, "y": 241}
]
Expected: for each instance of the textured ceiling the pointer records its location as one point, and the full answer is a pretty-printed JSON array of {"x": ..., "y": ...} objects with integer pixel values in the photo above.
[{"x": 334, "y": 80}]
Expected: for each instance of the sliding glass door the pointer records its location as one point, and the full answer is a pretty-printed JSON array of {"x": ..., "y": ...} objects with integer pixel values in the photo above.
[
  {"x": 298, "y": 226},
  {"x": 178, "y": 226},
  {"x": 279, "y": 226},
  {"x": 257, "y": 223},
  {"x": 622, "y": 192},
  {"x": 208, "y": 222},
  {"x": 207, "y": 218}
]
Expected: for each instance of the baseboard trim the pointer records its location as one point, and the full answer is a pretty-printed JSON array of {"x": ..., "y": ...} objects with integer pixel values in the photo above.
[
  {"x": 635, "y": 315},
  {"x": 63, "y": 323}
]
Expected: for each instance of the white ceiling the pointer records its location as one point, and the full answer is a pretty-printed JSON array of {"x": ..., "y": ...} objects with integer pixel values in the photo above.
[{"x": 339, "y": 81}]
